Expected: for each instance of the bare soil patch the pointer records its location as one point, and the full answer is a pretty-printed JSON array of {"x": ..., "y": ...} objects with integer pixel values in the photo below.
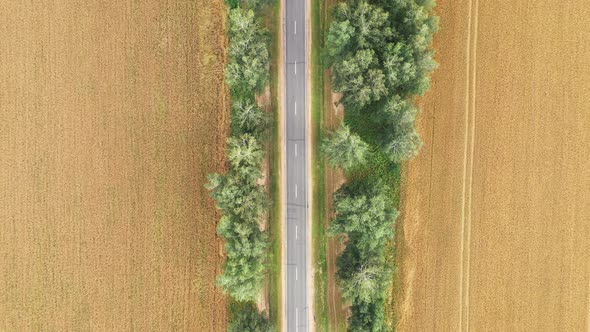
[
  {"x": 495, "y": 219},
  {"x": 333, "y": 178},
  {"x": 112, "y": 113}
]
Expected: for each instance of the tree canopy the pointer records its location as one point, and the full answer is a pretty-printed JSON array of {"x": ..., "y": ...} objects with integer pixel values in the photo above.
[
  {"x": 237, "y": 192},
  {"x": 381, "y": 59},
  {"x": 389, "y": 39},
  {"x": 397, "y": 118},
  {"x": 247, "y": 71},
  {"x": 248, "y": 118},
  {"x": 365, "y": 215},
  {"x": 380, "y": 52},
  {"x": 246, "y": 249},
  {"x": 364, "y": 212},
  {"x": 245, "y": 318},
  {"x": 345, "y": 149}
]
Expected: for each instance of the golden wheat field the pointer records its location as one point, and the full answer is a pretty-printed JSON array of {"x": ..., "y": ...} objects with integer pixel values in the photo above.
[
  {"x": 111, "y": 115},
  {"x": 496, "y": 208}
]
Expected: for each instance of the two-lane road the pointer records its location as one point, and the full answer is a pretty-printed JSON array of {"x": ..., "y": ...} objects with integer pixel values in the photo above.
[{"x": 296, "y": 157}]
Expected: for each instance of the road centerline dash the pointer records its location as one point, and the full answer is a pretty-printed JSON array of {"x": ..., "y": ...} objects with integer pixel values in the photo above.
[{"x": 297, "y": 290}]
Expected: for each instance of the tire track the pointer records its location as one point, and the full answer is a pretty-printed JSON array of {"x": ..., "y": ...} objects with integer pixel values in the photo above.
[
  {"x": 588, "y": 308},
  {"x": 470, "y": 97}
]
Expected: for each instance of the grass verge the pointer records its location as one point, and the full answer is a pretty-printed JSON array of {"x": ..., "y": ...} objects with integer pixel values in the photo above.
[
  {"x": 318, "y": 213},
  {"x": 271, "y": 14}
]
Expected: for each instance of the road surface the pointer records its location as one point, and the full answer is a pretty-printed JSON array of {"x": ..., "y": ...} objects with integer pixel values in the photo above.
[{"x": 295, "y": 117}]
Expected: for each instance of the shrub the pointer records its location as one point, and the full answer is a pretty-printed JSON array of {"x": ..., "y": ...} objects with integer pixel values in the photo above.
[{"x": 247, "y": 70}]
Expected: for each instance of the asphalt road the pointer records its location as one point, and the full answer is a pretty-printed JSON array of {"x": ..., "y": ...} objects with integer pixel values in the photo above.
[{"x": 295, "y": 114}]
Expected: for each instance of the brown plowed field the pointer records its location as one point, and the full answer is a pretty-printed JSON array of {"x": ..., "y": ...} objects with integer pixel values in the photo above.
[
  {"x": 111, "y": 115},
  {"x": 496, "y": 225}
]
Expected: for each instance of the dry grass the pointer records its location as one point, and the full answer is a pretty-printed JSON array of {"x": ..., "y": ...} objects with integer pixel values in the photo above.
[
  {"x": 111, "y": 115},
  {"x": 496, "y": 219}
]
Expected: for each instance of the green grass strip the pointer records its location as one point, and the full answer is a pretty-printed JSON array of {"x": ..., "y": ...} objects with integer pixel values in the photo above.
[{"x": 318, "y": 213}]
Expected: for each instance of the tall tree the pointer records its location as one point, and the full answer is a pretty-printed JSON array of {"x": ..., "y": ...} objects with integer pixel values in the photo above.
[
  {"x": 247, "y": 70},
  {"x": 400, "y": 140},
  {"x": 368, "y": 316},
  {"x": 345, "y": 149},
  {"x": 247, "y": 319},
  {"x": 369, "y": 23},
  {"x": 362, "y": 276},
  {"x": 248, "y": 118},
  {"x": 246, "y": 250},
  {"x": 364, "y": 212},
  {"x": 358, "y": 78},
  {"x": 244, "y": 152},
  {"x": 403, "y": 144},
  {"x": 365, "y": 215},
  {"x": 340, "y": 35}
]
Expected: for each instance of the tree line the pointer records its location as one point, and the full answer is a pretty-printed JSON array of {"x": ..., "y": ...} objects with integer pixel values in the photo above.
[
  {"x": 238, "y": 193},
  {"x": 381, "y": 59}
]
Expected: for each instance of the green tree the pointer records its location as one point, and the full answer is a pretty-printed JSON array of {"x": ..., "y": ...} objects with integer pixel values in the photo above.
[
  {"x": 246, "y": 249},
  {"x": 397, "y": 118},
  {"x": 368, "y": 317},
  {"x": 247, "y": 70},
  {"x": 365, "y": 215},
  {"x": 370, "y": 23},
  {"x": 248, "y": 319},
  {"x": 340, "y": 34},
  {"x": 244, "y": 152},
  {"x": 243, "y": 202},
  {"x": 345, "y": 149},
  {"x": 362, "y": 276},
  {"x": 358, "y": 78},
  {"x": 364, "y": 212},
  {"x": 404, "y": 144},
  {"x": 246, "y": 117},
  {"x": 397, "y": 34},
  {"x": 254, "y": 4},
  {"x": 413, "y": 25},
  {"x": 236, "y": 195}
]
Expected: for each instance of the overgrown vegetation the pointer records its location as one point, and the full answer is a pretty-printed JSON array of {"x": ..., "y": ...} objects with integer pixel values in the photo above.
[
  {"x": 380, "y": 56},
  {"x": 318, "y": 230},
  {"x": 365, "y": 215},
  {"x": 245, "y": 317},
  {"x": 270, "y": 11},
  {"x": 345, "y": 149},
  {"x": 239, "y": 193},
  {"x": 381, "y": 59}
]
